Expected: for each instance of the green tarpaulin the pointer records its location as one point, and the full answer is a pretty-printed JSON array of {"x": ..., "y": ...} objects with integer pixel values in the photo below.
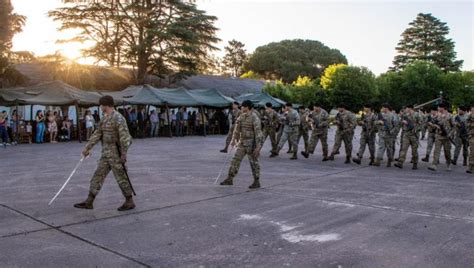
[
  {"x": 55, "y": 93},
  {"x": 260, "y": 99}
]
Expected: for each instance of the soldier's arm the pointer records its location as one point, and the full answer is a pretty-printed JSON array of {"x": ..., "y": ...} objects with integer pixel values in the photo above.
[
  {"x": 258, "y": 131},
  {"x": 236, "y": 133},
  {"x": 324, "y": 120},
  {"x": 124, "y": 136}
]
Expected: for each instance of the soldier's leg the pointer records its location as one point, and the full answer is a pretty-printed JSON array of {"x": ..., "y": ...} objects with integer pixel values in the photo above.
[
  {"x": 470, "y": 169},
  {"x": 457, "y": 149},
  {"x": 371, "y": 144},
  {"x": 293, "y": 139},
  {"x": 403, "y": 151},
  {"x": 313, "y": 142},
  {"x": 99, "y": 176},
  {"x": 447, "y": 151},
  {"x": 430, "y": 144},
  {"x": 265, "y": 134},
  {"x": 381, "y": 148},
  {"x": 348, "y": 147},
  {"x": 306, "y": 140},
  {"x": 281, "y": 143},
  {"x": 235, "y": 165},
  {"x": 121, "y": 177},
  {"x": 337, "y": 144},
  {"x": 437, "y": 151},
  {"x": 273, "y": 139},
  {"x": 229, "y": 138},
  {"x": 362, "y": 144},
  {"x": 465, "y": 150},
  {"x": 390, "y": 150},
  {"x": 324, "y": 143},
  {"x": 255, "y": 166}
]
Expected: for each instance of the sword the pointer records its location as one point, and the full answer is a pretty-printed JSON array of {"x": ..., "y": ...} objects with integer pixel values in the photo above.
[
  {"x": 69, "y": 178},
  {"x": 225, "y": 163}
]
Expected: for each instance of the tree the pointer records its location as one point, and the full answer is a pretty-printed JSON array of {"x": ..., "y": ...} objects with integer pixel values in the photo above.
[
  {"x": 352, "y": 86},
  {"x": 10, "y": 24},
  {"x": 326, "y": 79},
  {"x": 235, "y": 57},
  {"x": 458, "y": 88},
  {"x": 251, "y": 75},
  {"x": 426, "y": 40},
  {"x": 289, "y": 59},
  {"x": 159, "y": 37}
]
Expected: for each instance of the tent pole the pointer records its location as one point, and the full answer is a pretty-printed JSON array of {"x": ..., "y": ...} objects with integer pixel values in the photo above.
[
  {"x": 203, "y": 121},
  {"x": 31, "y": 112},
  {"x": 78, "y": 124},
  {"x": 168, "y": 119}
]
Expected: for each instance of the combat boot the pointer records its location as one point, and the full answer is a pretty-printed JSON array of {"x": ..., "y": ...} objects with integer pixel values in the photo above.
[
  {"x": 273, "y": 155},
  {"x": 432, "y": 167},
  {"x": 305, "y": 154},
  {"x": 294, "y": 157},
  {"x": 255, "y": 184},
  {"x": 331, "y": 157},
  {"x": 426, "y": 159},
  {"x": 289, "y": 151},
  {"x": 371, "y": 163},
  {"x": 88, "y": 204},
  {"x": 128, "y": 205},
  {"x": 376, "y": 163},
  {"x": 228, "y": 181},
  {"x": 348, "y": 160},
  {"x": 470, "y": 170},
  {"x": 325, "y": 158},
  {"x": 357, "y": 160},
  {"x": 454, "y": 162},
  {"x": 415, "y": 166},
  {"x": 398, "y": 165},
  {"x": 223, "y": 150}
]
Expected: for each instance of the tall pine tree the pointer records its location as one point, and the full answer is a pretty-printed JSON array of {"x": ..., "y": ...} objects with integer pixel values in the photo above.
[
  {"x": 426, "y": 40},
  {"x": 235, "y": 57}
]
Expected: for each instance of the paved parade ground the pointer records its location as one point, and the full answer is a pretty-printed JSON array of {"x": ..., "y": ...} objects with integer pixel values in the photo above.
[{"x": 308, "y": 213}]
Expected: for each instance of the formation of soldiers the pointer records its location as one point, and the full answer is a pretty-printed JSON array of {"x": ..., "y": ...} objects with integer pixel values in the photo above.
[{"x": 380, "y": 133}]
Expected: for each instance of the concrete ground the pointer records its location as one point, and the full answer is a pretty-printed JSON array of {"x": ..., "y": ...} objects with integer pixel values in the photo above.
[{"x": 308, "y": 213}]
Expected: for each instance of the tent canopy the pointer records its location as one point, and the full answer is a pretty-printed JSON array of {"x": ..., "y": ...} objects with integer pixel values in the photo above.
[
  {"x": 148, "y": 95},
  {"x": 55, "y": 93},
  {"x": 260, "y": 99}
]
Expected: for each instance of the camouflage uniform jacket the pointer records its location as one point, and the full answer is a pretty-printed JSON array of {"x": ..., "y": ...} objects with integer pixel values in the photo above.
[
  {"x": 470, "y": 126},
  {"x": 460, "y": 125},
  {"x": 413, "y": 122},
  {"x": 248, "y": 130},
  {"x": 388, "y": 125},
  {"x": 319, "y": 121},
  {"x": 234, "y": 114},
  {"x": 270, "y": 120},
  {"x": 291, "y": 121},
  {"x": 430, "y": 119},
  {"x": 445, "y": 123},
  {"x": 368, "y": 123},
  {"x": 304, "y": 124},
  {"x": 112, "y": 131},
  {"x": 346, "y": 122}
]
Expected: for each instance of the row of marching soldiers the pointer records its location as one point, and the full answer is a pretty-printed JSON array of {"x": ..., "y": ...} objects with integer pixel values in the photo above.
[{"x": 405, "y": 128}]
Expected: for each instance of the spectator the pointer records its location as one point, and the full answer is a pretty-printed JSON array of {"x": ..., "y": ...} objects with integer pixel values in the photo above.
[
  {"x": 15, "y": 122},
  {"x": 52, "y": 126},
  {"x": 66, "y": 128},
  {"x": 179, "y": 123},
  {"x": 155, "y": 124},
  {"x": 96, "y": 117},
  {"x": 89, "y": 124},
  {"x": 3, "y": 128},
  {"x": 141, "y": 119},
  {"x": 173, "y": 121},
  {"x": 185, "y": 121},
  {"x": 133, "y": 123},
  {"x": 40, "y": 128}
]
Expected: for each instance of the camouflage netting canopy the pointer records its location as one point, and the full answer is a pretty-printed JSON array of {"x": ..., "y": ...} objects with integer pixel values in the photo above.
[{"x": 54, "y": 93}]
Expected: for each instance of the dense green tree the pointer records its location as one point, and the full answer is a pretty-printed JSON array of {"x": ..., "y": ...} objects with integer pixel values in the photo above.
[
  {"x": 10, "y": 24},
  {"x": 426, "y": 40},
  {"x": 421, "y": 82},
  {"x": 158, "y": 37},
  {"x": 326, "y": 78},
  {"x": 458, "y": 88},
  {"x": 235, "y": 56},
  {"x": 352, "y": 86},
  {"x": 289, "y": 59}
]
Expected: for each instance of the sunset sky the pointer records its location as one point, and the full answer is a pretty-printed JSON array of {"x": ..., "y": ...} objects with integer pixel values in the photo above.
[{"x": 365, "y": 31}]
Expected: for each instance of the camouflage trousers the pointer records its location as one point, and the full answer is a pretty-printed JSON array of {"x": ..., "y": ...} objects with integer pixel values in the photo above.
[
  {"x": 270, "y": 132},
  {"x": 303, "y": 133},
  {"x": 430, "y": 143},
  {"x": 229, "y": 136},
  {"x": 317, "y": 136},
  {"x": 240, "y": 153},
  {"x": 292, "y": 138},
  {"x": 385, "y": 144},
  {"x": 105, "y": 165},
  {"x": 460, "y": 142},
  {"x": 442, "y": 143},
  {"x": 347, "y": 139},
  {"x": 409, "y": 140},
  {"x": 367, "y": 141}
]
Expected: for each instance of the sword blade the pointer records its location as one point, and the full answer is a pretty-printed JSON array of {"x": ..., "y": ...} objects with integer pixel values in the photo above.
[
  {"x": 225, "y": 164},
  {"x": 65, "y": 183}
]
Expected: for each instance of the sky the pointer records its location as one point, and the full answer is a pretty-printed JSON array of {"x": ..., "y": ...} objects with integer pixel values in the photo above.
[{"x": 367, "y": 32}]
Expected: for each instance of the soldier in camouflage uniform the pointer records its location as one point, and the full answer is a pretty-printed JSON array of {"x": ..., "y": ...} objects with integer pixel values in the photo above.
[
  {"x": 470, "y": 129},
  {"x": 291, "y": 123},
  {"x": 386, "y": 129},
  {"x": 270, "y": 125},
  {"x": 304, "y": 127},
  {"x": 346, "y": 123},
  {"x": 367, "y": 135},
  {"x": 444, "y": 129},
  {"x": 411, "y": 125},
  {"x": 248, "y": 136},
  {"x": 431, "y": 118},
  {"x": 461, "y": 139},
  {"x": 233, "y": 115},
  {"x": 319, "y": 120},
  {"x": 396, "y": 130},
  {"x": 115, "y": 137}
]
